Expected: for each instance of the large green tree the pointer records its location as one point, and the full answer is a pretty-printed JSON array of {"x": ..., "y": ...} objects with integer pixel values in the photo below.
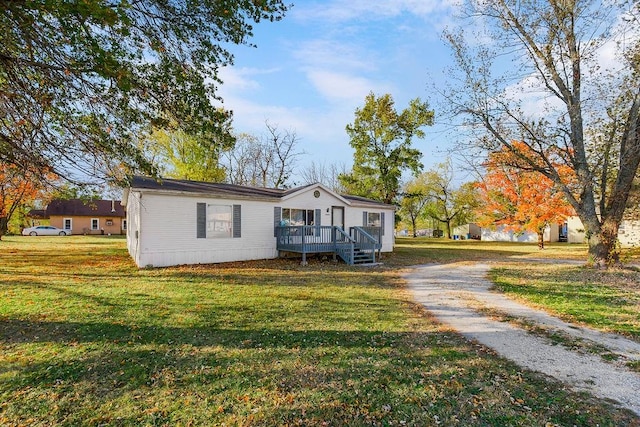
[
  {"x": 184, "y": 156},
  {"x": 447, "y": 202},
  {"x": 381, "y": 138},
  {"x": 585, "y": 117},
  {"x": 81, "y": 81},
  {"x": 414, "y": 199}
]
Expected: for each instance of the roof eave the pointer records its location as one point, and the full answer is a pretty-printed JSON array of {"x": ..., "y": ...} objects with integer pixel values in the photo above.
[{"x": 210, "y": 195}]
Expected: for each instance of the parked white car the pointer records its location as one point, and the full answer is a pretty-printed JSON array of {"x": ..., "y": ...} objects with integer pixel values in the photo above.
[{"x": 45, "y": 230}]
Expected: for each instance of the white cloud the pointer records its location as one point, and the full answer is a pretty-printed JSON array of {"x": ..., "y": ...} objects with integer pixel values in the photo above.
[
  {"x": 242, "y": 79},
  {"x": 334, "y": 54},
  {"x": 339, "y": 86},
  {"x": 346, "y": 10}
]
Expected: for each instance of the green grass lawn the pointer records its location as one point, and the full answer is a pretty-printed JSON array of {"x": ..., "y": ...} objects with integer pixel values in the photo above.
[
  {"x": 88, "y": 339},
  {"x": 410, "y": 251},
  {"x": 605, "y": 300}
]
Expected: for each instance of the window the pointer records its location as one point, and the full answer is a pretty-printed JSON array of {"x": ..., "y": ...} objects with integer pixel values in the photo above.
[
  {"x": 217, "y": 221},
  {"x": 67, "y": 223},
  {"x": 124, "y": 224},
  {"x": 298, "y": 216},
  {"x": 95, "y": 223},
  {"x": 373, "y": 219}
]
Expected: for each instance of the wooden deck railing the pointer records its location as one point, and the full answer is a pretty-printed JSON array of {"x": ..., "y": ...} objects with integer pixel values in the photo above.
[
  {"x": 306, "y": 239},
  {"x": 364, "y": 241}
]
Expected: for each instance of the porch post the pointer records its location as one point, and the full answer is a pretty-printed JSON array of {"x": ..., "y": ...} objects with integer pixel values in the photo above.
[{"x": 304, "y": 246}]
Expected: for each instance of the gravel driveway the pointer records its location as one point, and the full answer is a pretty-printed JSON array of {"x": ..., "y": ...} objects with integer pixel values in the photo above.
[{"x": 456, "y": 293}]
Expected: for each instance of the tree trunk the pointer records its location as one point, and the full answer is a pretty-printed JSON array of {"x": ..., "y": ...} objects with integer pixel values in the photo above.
[
  {"x": 413, "y": 224},
  {"x": 603, "y": 245},
  {"x": 541, "y": 239},
  {"x": 4, "y": 226}
]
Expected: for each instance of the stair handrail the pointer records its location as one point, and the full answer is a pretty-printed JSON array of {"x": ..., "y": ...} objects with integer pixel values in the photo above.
[
  {"x": 346, "y": 248},
  {"x": 365, "y": 241}
]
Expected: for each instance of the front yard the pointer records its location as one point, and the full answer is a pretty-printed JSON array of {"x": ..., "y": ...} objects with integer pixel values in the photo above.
[{"x": 88, "y": 339}]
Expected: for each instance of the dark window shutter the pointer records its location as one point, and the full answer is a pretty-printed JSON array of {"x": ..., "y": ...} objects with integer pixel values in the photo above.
[
  {"x": 382, "y": 223},
  {"x": 277, "y": 217},
  {"x": 201, "y": 221},
  {"x": 365, "y": 217},
  {"x": 237, "y": 221},
  {"x": 317, "y": 221}
]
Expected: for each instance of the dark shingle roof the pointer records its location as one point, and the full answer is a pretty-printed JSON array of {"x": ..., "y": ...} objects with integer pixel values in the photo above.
[
  {"x": 77, "y": 207},
  {"x": 37, "y": 214},
  {"x": 222, "y": 189},
  {"x": 182, "y": 185}
]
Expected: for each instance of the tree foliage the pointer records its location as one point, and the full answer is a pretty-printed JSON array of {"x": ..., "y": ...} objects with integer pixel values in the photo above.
[
  {"x": 586, "y": 118},
  {"x": 521, "y": 200},
  {"x": 183, "y": 156},
  {"x": 447, "y": 203},
  {"x": 17, "y": 188},
  {"x": 381, "y": 138},
  {"x": 326, "y": 174},
  {"x": 266, "y": 161},
  {"x": 80, "y": 82},
  {"x": 414, "y": 199}
]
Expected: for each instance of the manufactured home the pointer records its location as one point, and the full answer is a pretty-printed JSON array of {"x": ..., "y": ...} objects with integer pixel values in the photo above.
[{"x": 176, "y": 222}]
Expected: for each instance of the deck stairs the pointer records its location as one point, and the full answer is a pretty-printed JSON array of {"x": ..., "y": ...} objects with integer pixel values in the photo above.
[{"x": 363, "y": 257}]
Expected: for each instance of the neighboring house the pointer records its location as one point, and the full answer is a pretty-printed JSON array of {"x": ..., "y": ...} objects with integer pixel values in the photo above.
[
  {"x": 501, "y": 233},
  {"x": 87, "y": 217},
  {"x": 174, "y": 222},
  {"x": 467, "y": 231},
  {"x": 571, "y": 231}
]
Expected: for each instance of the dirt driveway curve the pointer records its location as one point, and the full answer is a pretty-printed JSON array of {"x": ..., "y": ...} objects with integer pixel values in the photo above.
[{"x": 456, "y": 293}]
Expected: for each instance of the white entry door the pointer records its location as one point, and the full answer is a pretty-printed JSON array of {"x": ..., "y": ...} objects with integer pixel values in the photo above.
[{"x": 337, "y": 216}]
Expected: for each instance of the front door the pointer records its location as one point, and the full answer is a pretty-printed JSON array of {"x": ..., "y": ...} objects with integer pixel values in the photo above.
[{"x": 337, "y": 216}]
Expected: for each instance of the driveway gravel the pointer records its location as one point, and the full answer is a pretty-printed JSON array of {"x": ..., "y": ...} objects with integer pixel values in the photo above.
[{"x": 455, "y": 294}]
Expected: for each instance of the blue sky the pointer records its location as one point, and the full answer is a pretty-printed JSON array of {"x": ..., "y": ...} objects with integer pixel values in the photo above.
[{"x": 311, "y": 71}]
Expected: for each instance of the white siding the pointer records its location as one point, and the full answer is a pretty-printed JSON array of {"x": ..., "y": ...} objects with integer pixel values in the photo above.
[
  {"x": 500, "y": 234},
  {"x": 133, "y": 224},
  {"x": 352, "y": 214},
  {"x": 629, "y": 233},
  {"x": 306, "y": 200},
  {"x": 575, "y": 230},
  {"x": 169, "y": 234},
  {"x": 162, "y": 228}
]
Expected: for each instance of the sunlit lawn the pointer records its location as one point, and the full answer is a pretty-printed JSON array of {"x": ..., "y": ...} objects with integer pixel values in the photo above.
[
  {"x": 88, "y": 339},
  {"x": 410, "y": 251},
  {"x": 605, "y": 300}
]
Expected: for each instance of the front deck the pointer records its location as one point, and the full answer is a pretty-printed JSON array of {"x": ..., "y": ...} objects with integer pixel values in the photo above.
[{"x": 359, "y": 246}]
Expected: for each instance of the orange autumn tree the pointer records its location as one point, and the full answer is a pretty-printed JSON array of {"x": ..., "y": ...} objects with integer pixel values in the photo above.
[
  {"x": 520, "y": 199},
  {"x": 16, "y": 188}
]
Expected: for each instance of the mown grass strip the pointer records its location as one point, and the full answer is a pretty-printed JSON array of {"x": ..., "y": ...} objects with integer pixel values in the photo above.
[
  {"x": 604, "y": 300},
  {"x": 87, "y": 339}
]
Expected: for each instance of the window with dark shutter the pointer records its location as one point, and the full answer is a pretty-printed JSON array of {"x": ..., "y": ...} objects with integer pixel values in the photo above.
[
  {"x": 382, "y": 222},
  {"x": 201, "y": 221},
  {"x": 317, "y": 221},
  {"x": 277, "y": 217},
  {"x": 365, "y": 218},
  {"x": 237, "y": 221}
]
